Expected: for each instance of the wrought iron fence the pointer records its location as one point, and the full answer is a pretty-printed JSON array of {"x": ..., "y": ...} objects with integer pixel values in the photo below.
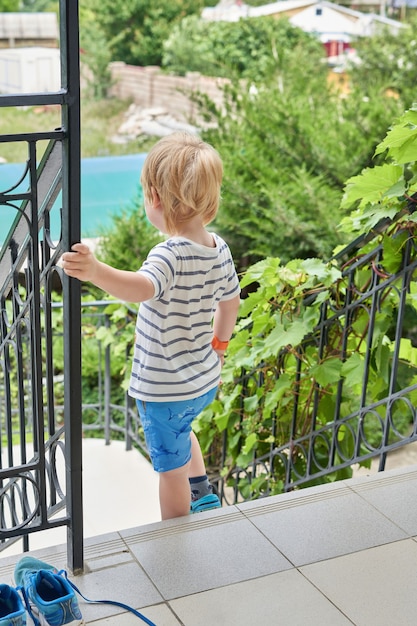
[
  {"x": 32, "y": 494},
  {"x": 335, "y": 426},
  {"x": 340, "y": 426}
]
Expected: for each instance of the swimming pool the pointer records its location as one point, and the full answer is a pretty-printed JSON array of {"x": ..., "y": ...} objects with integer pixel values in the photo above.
[{"x": 108, "y": 184}]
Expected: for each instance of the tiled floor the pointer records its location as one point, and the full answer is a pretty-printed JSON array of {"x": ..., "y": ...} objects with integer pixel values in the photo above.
[{"x": 334, "y": 555}]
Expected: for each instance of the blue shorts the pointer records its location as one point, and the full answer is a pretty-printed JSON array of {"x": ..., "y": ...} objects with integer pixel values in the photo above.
[{"x": 167, "y": 428}]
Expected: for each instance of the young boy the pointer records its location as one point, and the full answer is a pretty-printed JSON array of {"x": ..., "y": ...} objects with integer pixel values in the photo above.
[{"x": 189, "y": 294}]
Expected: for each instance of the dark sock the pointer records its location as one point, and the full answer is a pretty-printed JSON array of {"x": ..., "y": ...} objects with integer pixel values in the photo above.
[{"x": 200, "y": 487}]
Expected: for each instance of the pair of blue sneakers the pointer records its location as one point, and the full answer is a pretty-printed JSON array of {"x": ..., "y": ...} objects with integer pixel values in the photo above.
[{"x": 47, "y": 597}]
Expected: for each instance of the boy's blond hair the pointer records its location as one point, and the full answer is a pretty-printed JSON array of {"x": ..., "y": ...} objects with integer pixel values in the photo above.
[{"x": 186, "y": 173}]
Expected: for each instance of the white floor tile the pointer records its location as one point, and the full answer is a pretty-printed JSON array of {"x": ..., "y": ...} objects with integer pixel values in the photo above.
[
  {"x": 283, "y": 598},
  {"x": 374, "y": 587}
]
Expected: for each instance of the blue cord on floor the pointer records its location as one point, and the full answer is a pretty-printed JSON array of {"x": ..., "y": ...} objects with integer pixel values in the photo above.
[{"x": 113, "y": 602}]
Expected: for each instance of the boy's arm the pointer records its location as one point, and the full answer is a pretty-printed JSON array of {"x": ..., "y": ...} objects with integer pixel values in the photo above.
[
  {"x": 225, "y": 320},
  {"x": 124, "y": 285}
]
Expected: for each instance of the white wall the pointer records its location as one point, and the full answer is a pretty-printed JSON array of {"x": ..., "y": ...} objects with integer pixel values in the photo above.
[{"x": 29, "y": 70}]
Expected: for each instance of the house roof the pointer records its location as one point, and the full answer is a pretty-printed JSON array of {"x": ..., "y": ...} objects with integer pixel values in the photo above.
[
  {"x": 336, "y": 22},
  {"x": 333, "y": 21},
  {"x": 28, "y": 26}
]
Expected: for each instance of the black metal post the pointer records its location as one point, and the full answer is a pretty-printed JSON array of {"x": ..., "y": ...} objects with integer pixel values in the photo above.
[{"x": 71, "y": 233}]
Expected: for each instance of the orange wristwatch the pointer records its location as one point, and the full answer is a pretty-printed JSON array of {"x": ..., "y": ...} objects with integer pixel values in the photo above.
[{"x": 219, "y": 345}]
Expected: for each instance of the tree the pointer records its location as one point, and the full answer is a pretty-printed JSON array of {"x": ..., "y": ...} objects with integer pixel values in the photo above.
[
  {"x": 9, "y": 6},
  {"x": 249, "y": 48},
  {"x": 136, "y": 29}
]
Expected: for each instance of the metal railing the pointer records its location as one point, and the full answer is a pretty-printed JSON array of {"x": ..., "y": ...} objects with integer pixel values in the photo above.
[
  {"x": 341, "y": 425},
  {"x": 31, "y": 492}
]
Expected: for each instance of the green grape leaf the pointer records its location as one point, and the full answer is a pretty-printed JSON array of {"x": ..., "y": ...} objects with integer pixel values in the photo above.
[
  {"x": 250, "y": 443},
  {"x": 408, "y": 352},
  {"x": 279, "y": 337},
  {"x": 327, "y": 372},
  {"x": 353, "y": 369},
  {"x": 401, "y": 139},
  {"x": 392, "y": 247},
  {"x": 371, "y": 185}
]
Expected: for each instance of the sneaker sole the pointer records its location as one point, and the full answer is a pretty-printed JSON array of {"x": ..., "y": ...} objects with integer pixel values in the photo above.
[
  {"x": 208, "y": 507},
  {"x": 43, "y": 622},
  {"x": 210, "y": 504}
]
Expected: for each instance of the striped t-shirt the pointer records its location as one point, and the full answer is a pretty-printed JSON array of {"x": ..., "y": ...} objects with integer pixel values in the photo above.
[{"x": 173, "y": 358}]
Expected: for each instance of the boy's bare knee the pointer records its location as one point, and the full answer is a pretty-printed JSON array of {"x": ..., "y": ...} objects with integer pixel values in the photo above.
[{"x": 176, "y": 473}]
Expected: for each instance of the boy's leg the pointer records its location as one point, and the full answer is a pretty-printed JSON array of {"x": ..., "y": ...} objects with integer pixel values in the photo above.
[
  {"x": 197, "y": 465},
  {"x": 174, "y": 492},
  {"x": 170, "y": 441},
  {"x": 202, "y": 496},
  {"x": 199, "y": 482}
]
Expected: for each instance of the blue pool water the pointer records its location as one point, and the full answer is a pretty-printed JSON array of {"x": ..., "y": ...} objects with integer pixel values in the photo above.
[{"x": 108, "y": 184}]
